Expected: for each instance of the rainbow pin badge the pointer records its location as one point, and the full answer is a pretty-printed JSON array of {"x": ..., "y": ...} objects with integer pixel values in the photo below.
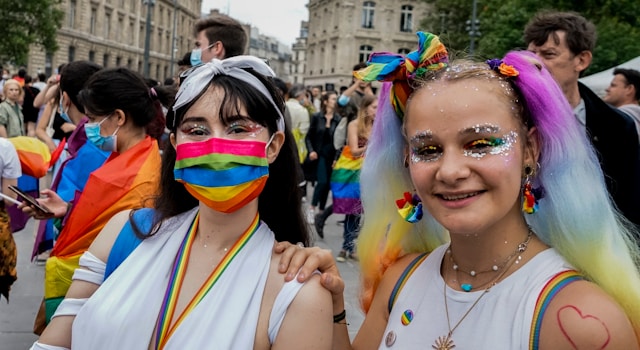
[{"x": 407, "y": 317}]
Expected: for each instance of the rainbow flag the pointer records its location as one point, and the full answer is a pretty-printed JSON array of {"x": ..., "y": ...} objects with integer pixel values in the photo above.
[
  {"x": 69, "y": 182},
  {"x": 35, "y": 158},
  {"x": 125, "y": 181},
  {"x": 345, "y": 183}
]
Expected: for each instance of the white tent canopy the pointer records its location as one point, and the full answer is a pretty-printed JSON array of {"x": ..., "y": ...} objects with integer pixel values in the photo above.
[{"x": 598, "y": 82}]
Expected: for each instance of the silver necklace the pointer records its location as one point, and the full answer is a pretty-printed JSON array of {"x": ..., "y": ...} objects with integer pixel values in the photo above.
[{"x": 445, "y": 342}]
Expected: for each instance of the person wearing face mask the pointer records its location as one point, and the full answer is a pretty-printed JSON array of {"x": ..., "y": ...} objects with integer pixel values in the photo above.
[
  {"x": 204, "y": 252},
  {"x": 218, "y": 37},
  {"x": 118, "y": 105}
]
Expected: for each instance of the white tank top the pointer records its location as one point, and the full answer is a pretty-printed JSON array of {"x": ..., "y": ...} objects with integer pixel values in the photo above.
[{"x": 501, "y": 320}]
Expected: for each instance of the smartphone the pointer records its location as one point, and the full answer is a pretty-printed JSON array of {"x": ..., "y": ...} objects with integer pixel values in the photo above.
[{"x": 32, "y": 201}]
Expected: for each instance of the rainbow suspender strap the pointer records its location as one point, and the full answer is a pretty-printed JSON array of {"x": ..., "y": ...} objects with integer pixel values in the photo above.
[
  {"x": 164, "y": 328},
  {"x": 408, "y": 271},
  {"x": 555, "y": 285}
]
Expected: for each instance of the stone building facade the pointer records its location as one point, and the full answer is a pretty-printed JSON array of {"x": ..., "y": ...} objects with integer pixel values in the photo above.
[
  {"x": 112, "y": 33},
  {"x": 299, "y": 57},
  {"x": 342, "y": 33}
]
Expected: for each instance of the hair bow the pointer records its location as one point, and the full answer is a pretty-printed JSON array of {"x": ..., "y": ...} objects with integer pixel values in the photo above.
[
  {"x": 385, "y": 66},
  {"x": 200, "y": 76}
]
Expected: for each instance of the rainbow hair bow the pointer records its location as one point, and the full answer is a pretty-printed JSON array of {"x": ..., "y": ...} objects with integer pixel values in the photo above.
[
  {"x": 385, "y": 66},
  {"x": 410, "y": 207}
]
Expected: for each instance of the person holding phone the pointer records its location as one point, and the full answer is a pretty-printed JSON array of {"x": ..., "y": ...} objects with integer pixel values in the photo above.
[
  {"x": 10, "y": 171},
  {"x": 118, "y": 105}
]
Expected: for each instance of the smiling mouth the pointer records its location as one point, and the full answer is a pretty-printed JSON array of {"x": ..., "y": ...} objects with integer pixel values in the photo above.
[{"x": 458, "y": 196}]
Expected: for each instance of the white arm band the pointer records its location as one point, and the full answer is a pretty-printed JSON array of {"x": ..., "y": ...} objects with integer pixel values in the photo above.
[
  {"x": 40, "y": 346},
  {"x": 92, "y": 269},
  {"x": 69, "y": 307}
]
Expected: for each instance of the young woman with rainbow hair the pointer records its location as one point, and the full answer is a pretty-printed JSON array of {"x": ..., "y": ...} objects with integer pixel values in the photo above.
[{"x": 525, "y": 177}]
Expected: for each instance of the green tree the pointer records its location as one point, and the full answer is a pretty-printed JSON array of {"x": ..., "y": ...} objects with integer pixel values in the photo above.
[
  {"x": 502, "y": 23},
  {"x": 27, "y": 22}
]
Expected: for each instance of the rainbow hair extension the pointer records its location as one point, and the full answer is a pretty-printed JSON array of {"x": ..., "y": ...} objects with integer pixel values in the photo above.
[
  {"x": 583, "y": 225},
  {"x": 385, "y": 235}
]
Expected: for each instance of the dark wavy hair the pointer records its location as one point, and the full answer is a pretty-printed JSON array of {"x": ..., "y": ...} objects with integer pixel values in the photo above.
[
  {"x": 124, "y": 89},
  {"x": 279, "y": 204}
]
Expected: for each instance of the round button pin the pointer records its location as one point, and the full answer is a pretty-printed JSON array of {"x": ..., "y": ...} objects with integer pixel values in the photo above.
[{"x": 390, "y": 339}]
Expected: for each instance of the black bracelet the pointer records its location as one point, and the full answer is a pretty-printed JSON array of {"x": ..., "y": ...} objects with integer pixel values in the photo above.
[{"x": 340, "y": 317}]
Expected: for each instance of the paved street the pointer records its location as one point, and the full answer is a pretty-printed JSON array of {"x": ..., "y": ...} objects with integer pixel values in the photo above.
[{"x": 16, "y": 318}]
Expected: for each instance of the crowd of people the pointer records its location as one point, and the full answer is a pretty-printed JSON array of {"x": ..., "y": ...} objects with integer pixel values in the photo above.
[{"x": 490, "y": 204}]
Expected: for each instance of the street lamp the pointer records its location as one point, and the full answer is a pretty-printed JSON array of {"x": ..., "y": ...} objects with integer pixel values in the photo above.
[
  {"x": 473, "y": 27},
  {"x": 173, "y": 36},
  {"x": 147, "y": 39}
]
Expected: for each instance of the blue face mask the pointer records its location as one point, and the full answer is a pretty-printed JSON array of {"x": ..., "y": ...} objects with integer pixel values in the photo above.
[
  {"x": 196, "y": 56},
  {"x": 63, "y": 113},
  {"x": 105, "y": 143}
]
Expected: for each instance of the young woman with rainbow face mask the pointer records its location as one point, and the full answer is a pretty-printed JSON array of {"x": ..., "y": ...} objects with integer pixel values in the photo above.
[{"x": 205, "y": 273}]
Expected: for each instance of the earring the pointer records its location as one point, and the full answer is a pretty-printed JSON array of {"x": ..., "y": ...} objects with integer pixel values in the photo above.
[
  {"x": 530, "y": 202},
  {"x": 410, "y": 207}
]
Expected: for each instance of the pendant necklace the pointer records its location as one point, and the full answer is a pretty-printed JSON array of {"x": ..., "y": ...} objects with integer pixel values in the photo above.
[
  {"x": 445, "y": 342},
  {"x": 467, "y": 287}
]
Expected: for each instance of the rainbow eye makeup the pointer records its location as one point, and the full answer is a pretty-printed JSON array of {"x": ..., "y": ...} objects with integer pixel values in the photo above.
[
  {"x": 483, "y": 142},
  {"x": 491, "y": 145},
  {"x": 423, "y": 149},
  {"x": 244, "y": 128}
]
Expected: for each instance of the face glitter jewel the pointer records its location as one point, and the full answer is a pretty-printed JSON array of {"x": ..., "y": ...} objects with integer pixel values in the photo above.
[{"x": 407, "y": 317}]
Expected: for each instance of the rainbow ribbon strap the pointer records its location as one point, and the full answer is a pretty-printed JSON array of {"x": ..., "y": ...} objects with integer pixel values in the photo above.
[
  {"x": 555, "y": 285},
  {"x": 164, "y": 329}
]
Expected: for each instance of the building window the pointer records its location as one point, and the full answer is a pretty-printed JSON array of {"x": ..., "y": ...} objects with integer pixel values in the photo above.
[
  {"x": 92, "y": 21},
  {"x": 406, "y": 18},
  {"x": 72, "y": 54},
  {"x": 72, "y": 13},
  {"x": 131, "y": 33},
  {"x": 92, "y": 56},
  {"x": 119, "y": 28},
  {"x": 129, "y": 63},
  {"x": 118, "y": 61},
  {"x": 105, "y": 60},
  {"x": 403, "y": 51},
  {"x": 107, "y": 24},
  {"x": 365, "y": 51},
  {"x": 368, "y": 10}
]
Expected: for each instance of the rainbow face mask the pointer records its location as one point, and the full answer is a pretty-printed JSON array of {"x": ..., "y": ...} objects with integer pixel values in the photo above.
[{"x": 223, "y": 174}]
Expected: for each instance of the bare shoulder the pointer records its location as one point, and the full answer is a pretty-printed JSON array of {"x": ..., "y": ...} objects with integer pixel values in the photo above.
[
  {"x": 583, "y": 316},
  {"x": 101, "y": 246},
  {"x": 308, "y": 323},
  {"x": 370, "y": 334}
]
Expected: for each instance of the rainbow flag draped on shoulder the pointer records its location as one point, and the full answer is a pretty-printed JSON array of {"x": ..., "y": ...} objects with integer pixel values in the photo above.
[
  {"x": 83, "y": 158},
  {"x": 345, "y": 183},
  {"x": 125, "y": 181}
]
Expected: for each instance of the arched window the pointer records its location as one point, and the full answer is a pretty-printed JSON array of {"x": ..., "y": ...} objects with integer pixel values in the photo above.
[
  {"x": 365, "y": 51},
  {"x": 368, "y": 10},
  {"x": 406, "y": 18}
]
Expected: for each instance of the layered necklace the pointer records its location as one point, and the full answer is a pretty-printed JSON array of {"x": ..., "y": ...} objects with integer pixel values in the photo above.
[{"x": 445, "y": 342}]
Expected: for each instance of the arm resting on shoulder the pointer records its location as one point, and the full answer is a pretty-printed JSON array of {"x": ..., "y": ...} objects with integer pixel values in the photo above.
[{"x": 58, "y": 331}]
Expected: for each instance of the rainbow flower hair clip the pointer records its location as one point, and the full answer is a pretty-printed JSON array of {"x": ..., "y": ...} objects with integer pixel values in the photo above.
[
  {"x": 504, "y": 69},
  {"x": 410, "y": 207}
]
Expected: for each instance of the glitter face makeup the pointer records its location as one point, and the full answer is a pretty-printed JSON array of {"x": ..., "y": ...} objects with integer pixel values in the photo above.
[
  {"x": 424, "y": 150},
  {"x": 237, "y": 128}
]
